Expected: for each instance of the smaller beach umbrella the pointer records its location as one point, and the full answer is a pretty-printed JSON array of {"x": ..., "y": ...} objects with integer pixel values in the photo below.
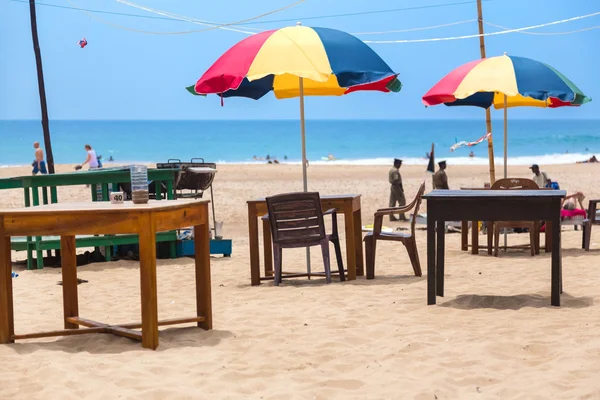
[
  {"x": 505, "y": 81},
  {"x": 297, "y": 61}
]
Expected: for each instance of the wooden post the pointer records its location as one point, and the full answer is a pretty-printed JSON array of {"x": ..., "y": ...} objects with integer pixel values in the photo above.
[
  {"x": 41, "y": 87},
  {"x": 488, "y": 117}
]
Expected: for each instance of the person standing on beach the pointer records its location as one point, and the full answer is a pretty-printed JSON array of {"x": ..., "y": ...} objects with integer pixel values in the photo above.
[
  {"x": 440, "y": 179},
  {"x": 541, "y": 178},
  {"x": 92, "y": 159},
  {"x": 39, "y": 165},
  {"x": 396, "y": 189}
]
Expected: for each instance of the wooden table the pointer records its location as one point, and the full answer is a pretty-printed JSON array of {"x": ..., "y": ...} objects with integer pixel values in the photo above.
[
  {"x": 489, "y": 205},
  {"x": 68, "y": 219},
  {"x": 347, "y": 204}
]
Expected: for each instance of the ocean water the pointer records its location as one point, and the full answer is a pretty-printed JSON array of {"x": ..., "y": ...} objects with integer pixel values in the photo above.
[{"x": 365, "y": 142}]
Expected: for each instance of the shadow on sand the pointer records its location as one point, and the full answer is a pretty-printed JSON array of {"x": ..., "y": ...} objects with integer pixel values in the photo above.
[
  {"x": 111, "y": 344},
  {"x": 517, "y": 302}
]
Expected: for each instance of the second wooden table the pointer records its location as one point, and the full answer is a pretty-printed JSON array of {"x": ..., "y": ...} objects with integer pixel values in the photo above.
[{"x": 347, "y": 204}]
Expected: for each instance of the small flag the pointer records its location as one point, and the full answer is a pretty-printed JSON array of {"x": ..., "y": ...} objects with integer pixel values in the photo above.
[{"x": 431, "y": 165}]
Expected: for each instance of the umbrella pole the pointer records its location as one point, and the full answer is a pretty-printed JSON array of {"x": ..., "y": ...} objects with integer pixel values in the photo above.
[
  {"x": 303, "y": 135},
  {"x": 505, "y": 150},
  {"x": 304, "y": 177},
  {"x": 505, "y": 138}
]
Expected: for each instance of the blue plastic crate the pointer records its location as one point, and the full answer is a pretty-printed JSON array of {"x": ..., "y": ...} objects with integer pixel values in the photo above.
[{"x": 185, "y": 248}]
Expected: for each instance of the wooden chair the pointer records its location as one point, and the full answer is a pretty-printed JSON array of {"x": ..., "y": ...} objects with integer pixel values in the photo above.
[
  {"x": 296, "y": 220},
  {"x": 517, "y": 184},
  {"x": 407, "y": 239}
]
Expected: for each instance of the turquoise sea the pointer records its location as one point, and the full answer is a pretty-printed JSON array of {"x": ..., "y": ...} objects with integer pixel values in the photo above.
[{"x": 350, "y": 141}]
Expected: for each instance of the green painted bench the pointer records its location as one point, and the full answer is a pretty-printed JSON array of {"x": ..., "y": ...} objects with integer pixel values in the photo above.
[
  {"x": 101, "y": 182},
  {"x": 53, "y": 242}
]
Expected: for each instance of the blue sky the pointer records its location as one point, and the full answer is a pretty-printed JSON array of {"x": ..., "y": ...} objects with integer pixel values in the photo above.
[{"x": 128, "y": 75}]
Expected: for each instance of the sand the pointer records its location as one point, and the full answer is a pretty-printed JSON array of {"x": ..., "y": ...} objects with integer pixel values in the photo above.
[{"x": 494, "y": 335}]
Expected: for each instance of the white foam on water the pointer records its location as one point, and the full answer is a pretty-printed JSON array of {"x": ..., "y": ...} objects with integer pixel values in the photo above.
[{"x": 547, "y": 159}]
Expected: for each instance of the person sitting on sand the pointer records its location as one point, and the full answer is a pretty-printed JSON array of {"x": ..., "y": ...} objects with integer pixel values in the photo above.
[{"x": 541, "y": 178}]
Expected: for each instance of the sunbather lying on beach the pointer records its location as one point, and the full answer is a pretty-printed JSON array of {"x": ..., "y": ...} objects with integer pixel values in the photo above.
[
  {"x": 593, "y": 159},
  {"x": 569, "y": 207}
]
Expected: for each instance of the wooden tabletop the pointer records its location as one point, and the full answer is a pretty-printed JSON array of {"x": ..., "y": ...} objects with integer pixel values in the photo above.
[
  {"x": 482, "y": 194},
  {"x": 323, "y": 197},
  {"x": 104, "y": 206}
]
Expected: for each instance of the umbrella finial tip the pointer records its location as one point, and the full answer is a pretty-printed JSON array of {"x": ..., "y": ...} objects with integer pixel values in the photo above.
[{"x": 298, "y": 23}]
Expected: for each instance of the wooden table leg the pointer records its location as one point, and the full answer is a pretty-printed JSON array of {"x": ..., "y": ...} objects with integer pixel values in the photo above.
[
  {"x": 360, "y": 265},
  {"x": 148, "y": 283},
  {"x": 253, "y": 243},
  {"x": 474, "y": 237},
  {"x": 268, "y": 248},
  {"x": 439, "y": 259},
  {"x": 203, "y": 278},
  {"x": 490, "y": 237},
  {"x": 69, "y": 280},
  {"x": 350, "y": 245},
  {"x": 431, "y": 282},
  {"x": 556, "y": 264},
  {"x": 548, "y": 237},
  {"x": 464, "y": 235},
  {"x": 7, "y": 324}
]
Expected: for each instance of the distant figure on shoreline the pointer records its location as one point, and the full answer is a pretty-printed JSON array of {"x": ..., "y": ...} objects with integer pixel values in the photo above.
[
  {"x": 593, "y": 159},
  {"x": 39, "y": 165},
  {"x": 471, "y": 154},
  {"x": 111, "y": 159}
]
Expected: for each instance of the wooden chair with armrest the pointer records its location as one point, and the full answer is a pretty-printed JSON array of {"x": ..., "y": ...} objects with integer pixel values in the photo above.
[
  {"x": 533, "y": 227},
  {"x": 407, "y": 239},
  {"x": 296, "y": 220}
]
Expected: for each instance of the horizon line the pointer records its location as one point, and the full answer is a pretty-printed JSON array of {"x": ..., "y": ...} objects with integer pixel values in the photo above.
[{"x": 289, "y": 119}]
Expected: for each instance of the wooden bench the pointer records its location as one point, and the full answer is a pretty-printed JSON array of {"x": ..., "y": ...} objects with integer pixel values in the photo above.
[{"x": 53, "y": 242}]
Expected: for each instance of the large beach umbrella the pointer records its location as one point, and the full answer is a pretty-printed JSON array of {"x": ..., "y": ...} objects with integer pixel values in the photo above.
[
  {"x": 297, "y": 61},
  {"x": 504, "y": 82}
]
